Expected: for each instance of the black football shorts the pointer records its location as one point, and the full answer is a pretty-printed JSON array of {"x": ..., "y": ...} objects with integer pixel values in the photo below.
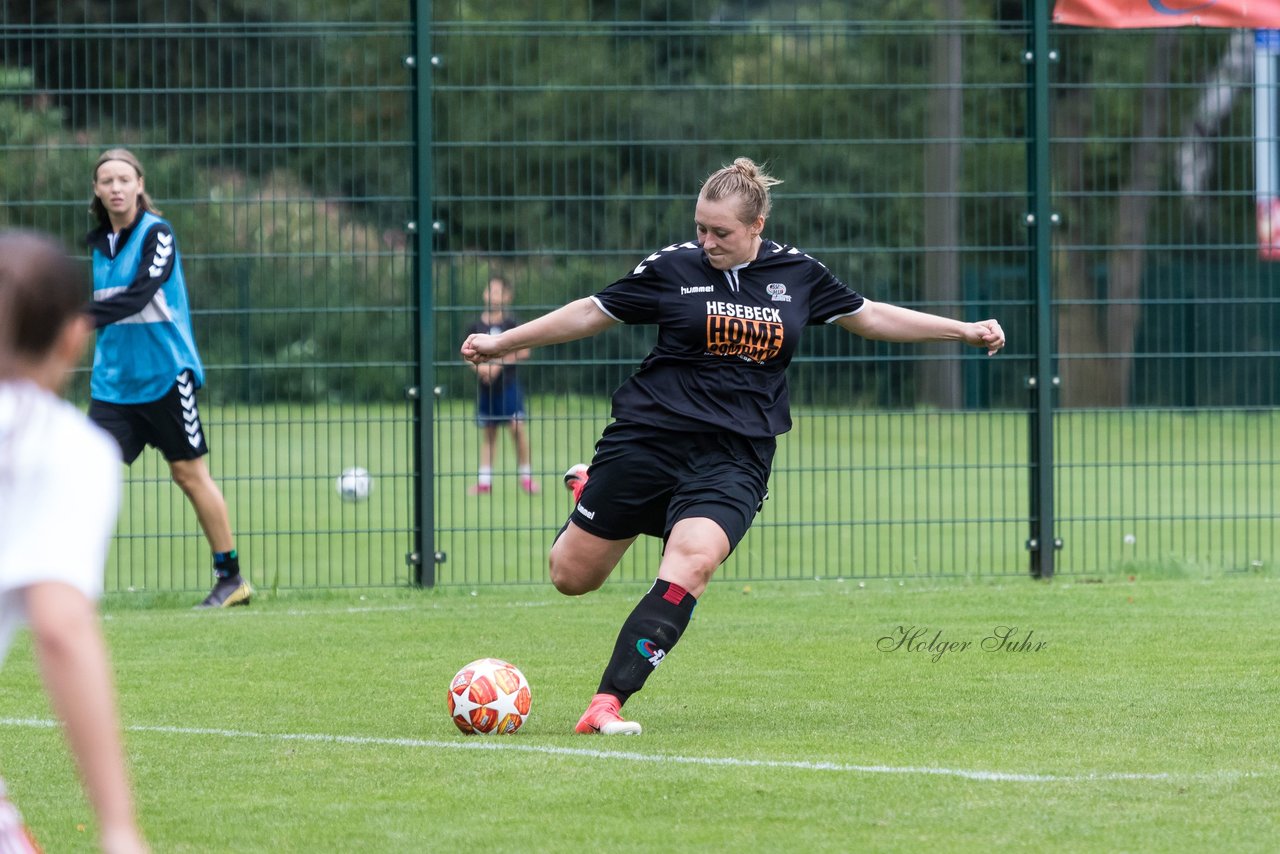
[
  {"x": 170, "y": 424},
  {"x": 643, "y": 480}
]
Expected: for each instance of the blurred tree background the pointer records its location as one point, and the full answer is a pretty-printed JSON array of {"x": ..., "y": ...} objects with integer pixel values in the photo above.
[{"x": 568, "y": 140}]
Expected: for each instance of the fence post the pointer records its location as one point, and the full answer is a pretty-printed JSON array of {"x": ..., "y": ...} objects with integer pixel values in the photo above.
[
  {"x": 422, "y": 395},
  {"x": 1042, "y": 543}
]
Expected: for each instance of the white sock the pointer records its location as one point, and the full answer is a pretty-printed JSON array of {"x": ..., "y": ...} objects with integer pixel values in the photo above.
[{"x": 486, "y": 476}]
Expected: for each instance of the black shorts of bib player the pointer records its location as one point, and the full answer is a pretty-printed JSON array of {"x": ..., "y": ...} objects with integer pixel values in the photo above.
[
  {"x": 160, "y": 424},
  {"x": 687, "y": 456}
]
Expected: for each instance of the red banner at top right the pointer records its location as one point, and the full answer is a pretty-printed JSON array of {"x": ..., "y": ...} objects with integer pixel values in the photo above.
[{"x": 1127, "y": 14}]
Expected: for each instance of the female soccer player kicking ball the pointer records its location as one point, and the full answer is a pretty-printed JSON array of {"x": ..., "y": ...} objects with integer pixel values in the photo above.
[{"x": 701, "y": 414}]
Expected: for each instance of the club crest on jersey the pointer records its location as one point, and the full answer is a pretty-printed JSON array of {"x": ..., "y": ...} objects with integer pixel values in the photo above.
[{"x": 777, "y": 292}]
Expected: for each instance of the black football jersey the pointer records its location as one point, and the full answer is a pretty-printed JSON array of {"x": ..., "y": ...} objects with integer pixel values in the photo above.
[{"x": 725, "y": 338}]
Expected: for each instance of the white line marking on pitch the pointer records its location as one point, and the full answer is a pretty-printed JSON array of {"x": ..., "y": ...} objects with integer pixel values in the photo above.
[
  {"x": 365, "y": 609},
  {"x": 629, "y": 756},
  {"x": 242, "y": 613}
]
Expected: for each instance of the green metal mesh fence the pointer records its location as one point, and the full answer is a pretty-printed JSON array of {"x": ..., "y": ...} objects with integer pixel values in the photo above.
[
  {"x": 565, "y": 142},
  {"x": 278, "y": 146},
  {"x": 1166, "y": 317},
  {"x": 592, "y": 140}
]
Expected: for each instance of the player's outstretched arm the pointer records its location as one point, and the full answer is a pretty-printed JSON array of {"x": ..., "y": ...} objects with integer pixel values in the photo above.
[
  {"x": 882, "y": 321},
  {"x": 74, "y": 666},
  {"x": 579, "y": 319}
]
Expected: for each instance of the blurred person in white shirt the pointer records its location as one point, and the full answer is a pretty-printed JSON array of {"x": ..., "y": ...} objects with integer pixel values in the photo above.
[{"x": 59, "y": 496}]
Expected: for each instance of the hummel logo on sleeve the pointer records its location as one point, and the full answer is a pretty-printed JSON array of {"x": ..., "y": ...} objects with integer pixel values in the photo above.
[{"x": 163, "y": 252}]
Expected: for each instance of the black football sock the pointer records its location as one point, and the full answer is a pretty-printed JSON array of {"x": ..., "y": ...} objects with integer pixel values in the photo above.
[
  {"x": 226, "y": 564},
  {"x": 646, "y": 638}
]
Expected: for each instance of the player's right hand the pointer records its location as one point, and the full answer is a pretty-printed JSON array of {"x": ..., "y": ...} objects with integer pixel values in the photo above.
[{"x": 480, "y": 348}]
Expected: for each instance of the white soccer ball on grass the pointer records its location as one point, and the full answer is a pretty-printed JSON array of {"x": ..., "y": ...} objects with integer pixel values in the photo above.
[{"x": 489, "y": 696}]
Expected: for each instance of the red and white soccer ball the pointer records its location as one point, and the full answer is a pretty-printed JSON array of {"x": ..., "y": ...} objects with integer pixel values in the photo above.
[{"x": 489, "y": 696}]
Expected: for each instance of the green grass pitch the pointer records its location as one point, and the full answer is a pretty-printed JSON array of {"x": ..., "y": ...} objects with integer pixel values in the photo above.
[
  {"x": 783, "y": 721},
  {"x": 853, "y": 494}
]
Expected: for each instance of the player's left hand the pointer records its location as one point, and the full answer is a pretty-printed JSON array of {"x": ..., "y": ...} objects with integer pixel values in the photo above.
[{"x": 986, "y": 334}]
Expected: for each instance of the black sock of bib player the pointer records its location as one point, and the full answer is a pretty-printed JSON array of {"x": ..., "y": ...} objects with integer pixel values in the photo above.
[
  {"x": 226, "y": 564},
  {"x": 646, "y": 638}
]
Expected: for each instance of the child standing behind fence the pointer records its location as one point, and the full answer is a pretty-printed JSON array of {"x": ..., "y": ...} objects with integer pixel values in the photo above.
[{"x": 499, "y": 397}]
